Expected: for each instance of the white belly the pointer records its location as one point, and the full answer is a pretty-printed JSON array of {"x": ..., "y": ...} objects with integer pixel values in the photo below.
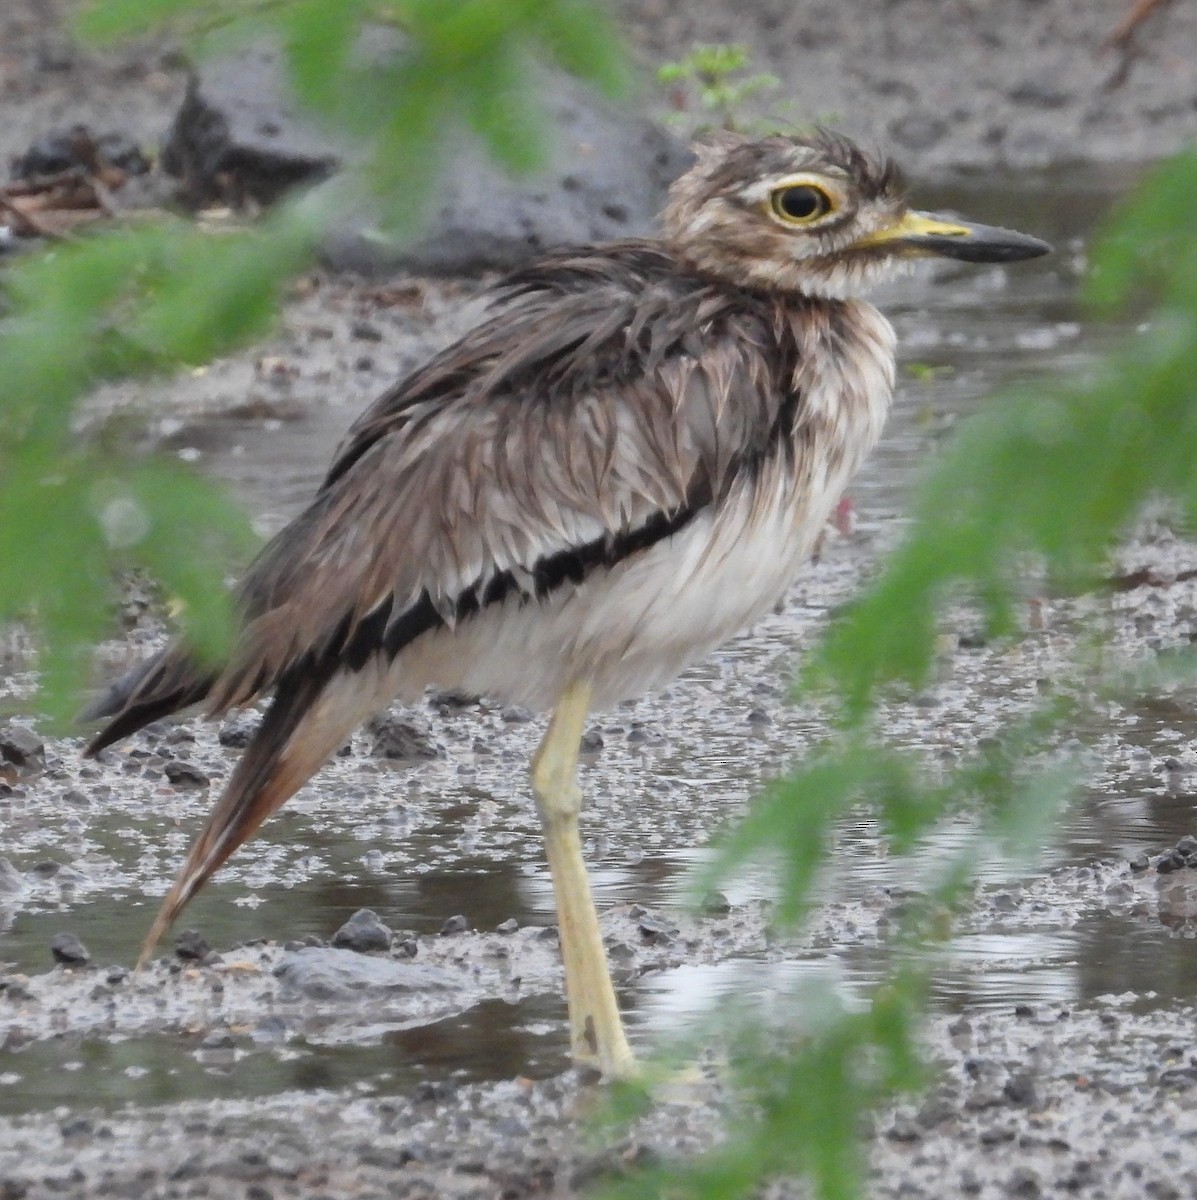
[{"x": 631, "y": 628}]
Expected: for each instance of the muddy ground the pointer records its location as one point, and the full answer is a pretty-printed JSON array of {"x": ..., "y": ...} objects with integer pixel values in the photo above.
[{"x": 267, "y": 1062}]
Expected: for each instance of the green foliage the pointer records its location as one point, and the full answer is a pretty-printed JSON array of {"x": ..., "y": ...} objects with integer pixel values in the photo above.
[
  {"x": 802, "y": 1094},
  {"x": 152, "y": 299},
  {"x": 716, "y": 74},
  {"x": 1050, "y": 478}
]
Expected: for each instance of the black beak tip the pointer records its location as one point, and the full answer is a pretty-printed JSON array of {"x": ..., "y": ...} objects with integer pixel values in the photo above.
[{"x": 987, "y": 244}]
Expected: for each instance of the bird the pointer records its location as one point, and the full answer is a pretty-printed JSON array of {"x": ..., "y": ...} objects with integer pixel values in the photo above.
[{"x": 620, "y": 466}]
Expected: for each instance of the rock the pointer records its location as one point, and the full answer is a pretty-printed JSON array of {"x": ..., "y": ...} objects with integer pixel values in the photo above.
[
  {"x": 715, "y": 904},
  {"x": 192, "y": 946},
  {"x": 68, "y": 950},
  {"x": 399, "y": 739},
  {"x": 76, "y": 147},
  {"x": 236, "y": 138},
  {"x": 325, "y": 974},
  {"x": 511, "y": 925},
  {"x": 363, "y": 932},
  {"x": 239, "y": 138},
  {"x": 237, "y": 732},
  {"x": 21, "y": 746},
  {"x": 591, "y": 743},
  {"x": 186, "y": 775},
  {"x": 456, "y": 924}
]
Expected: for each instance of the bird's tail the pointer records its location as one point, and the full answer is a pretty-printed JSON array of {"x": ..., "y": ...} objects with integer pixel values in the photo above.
[
  {"x": 308, "y": 720},
  {"x": 168, "y": 682}
]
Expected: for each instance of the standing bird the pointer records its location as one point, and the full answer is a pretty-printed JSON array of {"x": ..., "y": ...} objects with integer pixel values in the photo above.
[{"x": 619, "y": 468}]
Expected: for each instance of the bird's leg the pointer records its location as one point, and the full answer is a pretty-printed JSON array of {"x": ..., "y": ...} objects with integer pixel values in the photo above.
[{"x": 597, "y": 1035}]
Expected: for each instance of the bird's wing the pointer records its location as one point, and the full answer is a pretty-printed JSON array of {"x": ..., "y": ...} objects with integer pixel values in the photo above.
[{"x": 575, "y": 426}]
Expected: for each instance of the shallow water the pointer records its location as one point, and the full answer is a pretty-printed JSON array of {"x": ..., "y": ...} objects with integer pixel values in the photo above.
[{"x": 457, "y": 836}]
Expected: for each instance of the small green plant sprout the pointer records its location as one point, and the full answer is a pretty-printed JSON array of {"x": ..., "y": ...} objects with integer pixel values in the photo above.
[{"x": 713, "y": 72}]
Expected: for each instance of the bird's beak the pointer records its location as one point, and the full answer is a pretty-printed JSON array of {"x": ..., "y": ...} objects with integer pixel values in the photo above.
[{"x": 924, "y": 233}]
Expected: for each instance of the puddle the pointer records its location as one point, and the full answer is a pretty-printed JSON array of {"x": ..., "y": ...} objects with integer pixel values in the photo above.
[{"x": 458, "y": 836}]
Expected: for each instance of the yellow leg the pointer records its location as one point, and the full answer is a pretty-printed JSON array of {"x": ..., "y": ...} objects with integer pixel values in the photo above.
[{"x": 596, "y": 1031}]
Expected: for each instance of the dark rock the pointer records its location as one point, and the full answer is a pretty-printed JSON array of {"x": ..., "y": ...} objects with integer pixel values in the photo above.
[
  {"x": 74, "y": 1127},
  {"x": 79, "y": 148},
  {"x": 715, "y": 904},
  {"x": 235, "y": 139},
  {"x": 186, "y": 775},
  {"x": 903, "y": 1130},
  {"x": 21, "y": 746},
  {"x": 516, "y": 714},
  {"x": 1187, "y": 848},
  {"x": 455, "y": 924},
  {"x": 238, "y": 138},
  {"x": 238, "y": 731},
  {"x": 363, "y": 932},
  {"x": 1020, "y": 1090},
  {"x": 759, "y": 717},
  {"x": 1167, "y": 863},
  {"x": 1023, "y": 1181},
  {"x": 192, "y": 945},
  {"x": 399, "y": 739},
  {"x": 1140, "y": 862},
  {"x": 325, "y": 974},
  {"x": 452, "y": 700},
  {"x": 115, "y": 976},
  {"x": 654, "y": 928},
  {"x": 363, "y": 331},
  {"x": 591, "y": 743},
  {"x": 68, "y": 950}
]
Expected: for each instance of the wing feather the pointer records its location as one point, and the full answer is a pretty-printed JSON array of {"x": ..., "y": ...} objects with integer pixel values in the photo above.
[{"x": 595, "y": 407}]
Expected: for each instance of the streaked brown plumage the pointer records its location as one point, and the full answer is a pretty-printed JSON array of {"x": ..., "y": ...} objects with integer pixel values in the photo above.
[{"x": 621, "y": 466}]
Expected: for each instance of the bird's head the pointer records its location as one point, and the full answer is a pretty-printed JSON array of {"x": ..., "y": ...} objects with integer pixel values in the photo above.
[{"x": 813, "y": 214}]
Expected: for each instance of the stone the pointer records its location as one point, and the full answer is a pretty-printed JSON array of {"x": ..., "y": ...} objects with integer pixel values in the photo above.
[
  {"x": 402, "y": 740},
  {"x": 21, "y": 746},
  {"x": 192, "y": 946},
  {"x": 68, "y": 950},
  {"x": 326, "y": 974},
  {"x": 239, "y": 139},
  {"x": 186, "y": 775},
  {"x": 363, "y": 932}
]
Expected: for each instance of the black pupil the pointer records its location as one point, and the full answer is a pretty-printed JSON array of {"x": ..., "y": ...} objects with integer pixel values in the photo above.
[{"x": 801, "y": 203}]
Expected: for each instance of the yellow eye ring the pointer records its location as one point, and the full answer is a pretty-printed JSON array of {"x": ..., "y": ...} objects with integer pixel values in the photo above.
[{"x": 800, "y": 203}]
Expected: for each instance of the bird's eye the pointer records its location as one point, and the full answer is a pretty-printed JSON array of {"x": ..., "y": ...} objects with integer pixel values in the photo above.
[{"x": 800, "y": 204}]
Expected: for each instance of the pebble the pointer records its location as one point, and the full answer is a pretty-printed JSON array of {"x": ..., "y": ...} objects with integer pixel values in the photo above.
[
  {"x": 399, "y": 739},
  {"x": 186, "y": 775},
  {"x": 455, "y": 924},
  {"x": 363, "y": 932},
  {"x": 323, "y": 974},
  {"x": 237, "y": 732},
  {"x": 68, "y": 950},
  {"x": 21, "y": 746},
  {"x": 192, "y": 945}
]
